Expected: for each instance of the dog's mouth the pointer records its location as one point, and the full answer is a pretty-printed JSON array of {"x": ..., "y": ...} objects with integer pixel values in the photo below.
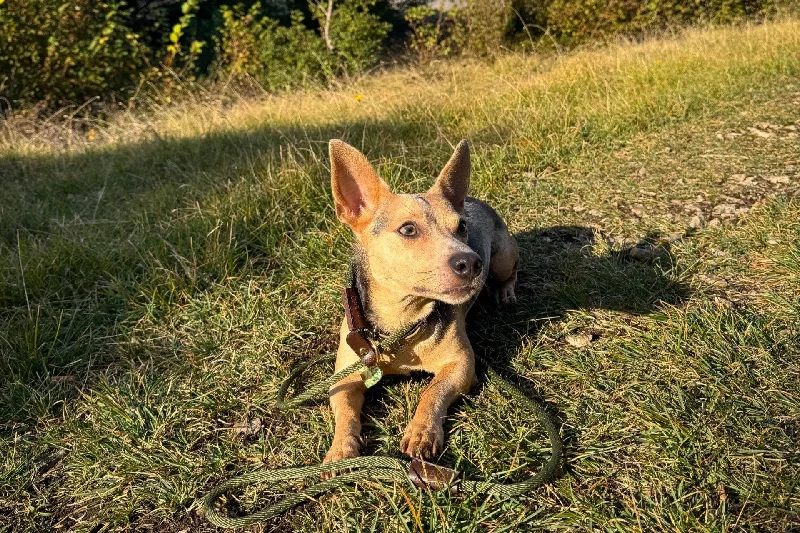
[
  {"x": 463, "y": 289},
  {"x": 453, "y": 295}
]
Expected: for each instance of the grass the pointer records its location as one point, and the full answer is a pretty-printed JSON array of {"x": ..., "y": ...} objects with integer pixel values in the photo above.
[{"x": 158, "y": 281}]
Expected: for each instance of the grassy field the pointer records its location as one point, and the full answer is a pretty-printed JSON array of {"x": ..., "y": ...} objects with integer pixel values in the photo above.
[{"x": 159, "y": 274}]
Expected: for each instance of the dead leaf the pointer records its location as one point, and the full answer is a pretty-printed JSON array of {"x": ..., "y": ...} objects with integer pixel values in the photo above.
[
  {"x": 247, "y": 427},
  {"x": 578, "y": 340}
]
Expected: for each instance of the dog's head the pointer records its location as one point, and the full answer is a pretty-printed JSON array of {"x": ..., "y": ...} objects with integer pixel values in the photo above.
[{"x": 414, "y": 243}]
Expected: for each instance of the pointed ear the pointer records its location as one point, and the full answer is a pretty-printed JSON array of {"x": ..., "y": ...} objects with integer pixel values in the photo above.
[
  {"x": 357, "y": 190},
  {"x": 453, "y": 181}
]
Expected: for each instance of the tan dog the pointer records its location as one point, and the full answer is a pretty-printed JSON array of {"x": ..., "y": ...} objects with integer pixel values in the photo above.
[{"x": 419, "y": 259}]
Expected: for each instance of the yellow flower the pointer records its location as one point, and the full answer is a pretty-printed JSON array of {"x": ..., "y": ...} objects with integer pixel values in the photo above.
[
  {"x": 358, "y": 97},
  {"x": 91, "y": 135}
]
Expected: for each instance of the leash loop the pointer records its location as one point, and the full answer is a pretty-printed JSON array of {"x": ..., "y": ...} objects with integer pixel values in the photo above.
[{"x": 415, "y": 473}]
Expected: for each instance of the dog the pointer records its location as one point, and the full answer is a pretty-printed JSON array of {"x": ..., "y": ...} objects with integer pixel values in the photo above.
[{"x": 418, "y": 259}]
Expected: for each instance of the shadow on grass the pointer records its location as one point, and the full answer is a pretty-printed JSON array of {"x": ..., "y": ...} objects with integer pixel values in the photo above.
[
  {"x": 96, "y": 241},
  {"x": 560, "y": 272},
  {"x": 93, "y": 241}
]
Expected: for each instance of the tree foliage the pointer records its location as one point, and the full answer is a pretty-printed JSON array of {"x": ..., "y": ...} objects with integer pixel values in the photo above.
[{"x": 61, "y": 52}]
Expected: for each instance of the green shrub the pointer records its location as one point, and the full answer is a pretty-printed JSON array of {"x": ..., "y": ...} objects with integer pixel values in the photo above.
[
  {"x": 572, "y": 21},
  {"x": 280, "y": 57},
  {"x": 357, "y": 35},
  {"x": 486, "y": 23},
  {"x": 479, "y": 29},
  {"x": 434, "y": 33},
  {"x": 62, "y": 51},
  {"x": 275, "y": 56}
]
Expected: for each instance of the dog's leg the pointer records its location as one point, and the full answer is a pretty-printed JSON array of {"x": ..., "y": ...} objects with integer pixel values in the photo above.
[
  {"x": 504, "y": 266},
  {"x": 347, "y": 399},
  {"x": 424, "y": 436}
]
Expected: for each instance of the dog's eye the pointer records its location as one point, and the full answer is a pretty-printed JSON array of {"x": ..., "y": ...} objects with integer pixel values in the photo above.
[
  {"x": 462, "y": 226},
  {"x": 408, "y": 230}
]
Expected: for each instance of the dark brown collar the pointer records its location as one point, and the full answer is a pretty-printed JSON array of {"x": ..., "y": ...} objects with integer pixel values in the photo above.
[{"x": 365, "y": 340}]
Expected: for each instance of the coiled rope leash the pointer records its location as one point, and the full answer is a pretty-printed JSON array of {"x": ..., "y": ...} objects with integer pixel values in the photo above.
[{"x": 416, "y": 472}]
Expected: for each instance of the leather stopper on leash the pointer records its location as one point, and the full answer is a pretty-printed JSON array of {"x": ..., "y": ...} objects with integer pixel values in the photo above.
[
  {"x": 362, "y": 348},
  {"x": 431, "y": 476}
]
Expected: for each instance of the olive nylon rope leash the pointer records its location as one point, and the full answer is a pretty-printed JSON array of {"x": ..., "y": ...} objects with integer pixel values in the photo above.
[
  {"x": 414, "y": 473},
  {"x": 370, "y": 468}
]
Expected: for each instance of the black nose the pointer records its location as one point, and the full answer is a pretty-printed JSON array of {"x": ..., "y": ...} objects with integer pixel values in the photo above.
[{"x": 466, "y": 265}]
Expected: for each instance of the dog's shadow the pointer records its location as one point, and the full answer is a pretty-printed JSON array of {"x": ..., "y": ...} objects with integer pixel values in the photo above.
[{"x": 565, "y": 268}]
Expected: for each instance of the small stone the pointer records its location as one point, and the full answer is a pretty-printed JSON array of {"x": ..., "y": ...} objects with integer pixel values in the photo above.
[
  {"x": 642, "y": 172},
  {"x": 724, "y": 210},
  {"x": 696, "y": 222},
  {"x": 776, "y": 180},
  {"x": 714, "y": 222},
  {"x": 761, "y": 133},
  {"x": 578, "y": 340},
  {"x": 744, "y": 179},
  {"x": 595, "y": 213},
  {"x": 766, "y": 126},
  {"x": 714, "y": 280},
  {"x": 639, "y": 253}
]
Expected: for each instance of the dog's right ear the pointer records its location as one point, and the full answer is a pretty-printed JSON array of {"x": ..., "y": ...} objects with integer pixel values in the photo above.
[{"x": 357, "y": 190}]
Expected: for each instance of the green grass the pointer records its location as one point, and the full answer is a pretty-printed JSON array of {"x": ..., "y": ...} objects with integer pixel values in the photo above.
[{"x": 157, "y": 283}]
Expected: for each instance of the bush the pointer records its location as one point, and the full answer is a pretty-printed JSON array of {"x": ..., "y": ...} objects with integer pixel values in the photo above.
[
  {"x": 484, "y": 27},
  {"x": 435, "y": 33},
  {"x": 275, "y": 56},
  {"x": 478, "y": 29},
  {"x": 573, "y": 21},
  {"x": 63, "y": 52},
  {"x": 281, "y": 57},
  {"x": 357, "y": 35},
  {"x": 486, "y": 24}
]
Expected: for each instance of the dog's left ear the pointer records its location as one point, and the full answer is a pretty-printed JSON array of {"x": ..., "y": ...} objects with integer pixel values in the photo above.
[{"x": 453, "y": 181}]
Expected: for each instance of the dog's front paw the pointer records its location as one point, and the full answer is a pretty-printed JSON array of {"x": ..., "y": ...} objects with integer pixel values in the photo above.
[
  {"x": 341, "y": 449},
  {"x": 422, "y": 440}
]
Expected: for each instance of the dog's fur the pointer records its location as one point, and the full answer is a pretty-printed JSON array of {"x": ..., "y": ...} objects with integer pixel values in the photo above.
[{"x": 404, "y": 279}]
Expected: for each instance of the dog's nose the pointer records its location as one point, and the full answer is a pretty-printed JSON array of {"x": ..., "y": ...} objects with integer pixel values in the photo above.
[{"x": 466, "y": 265}]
